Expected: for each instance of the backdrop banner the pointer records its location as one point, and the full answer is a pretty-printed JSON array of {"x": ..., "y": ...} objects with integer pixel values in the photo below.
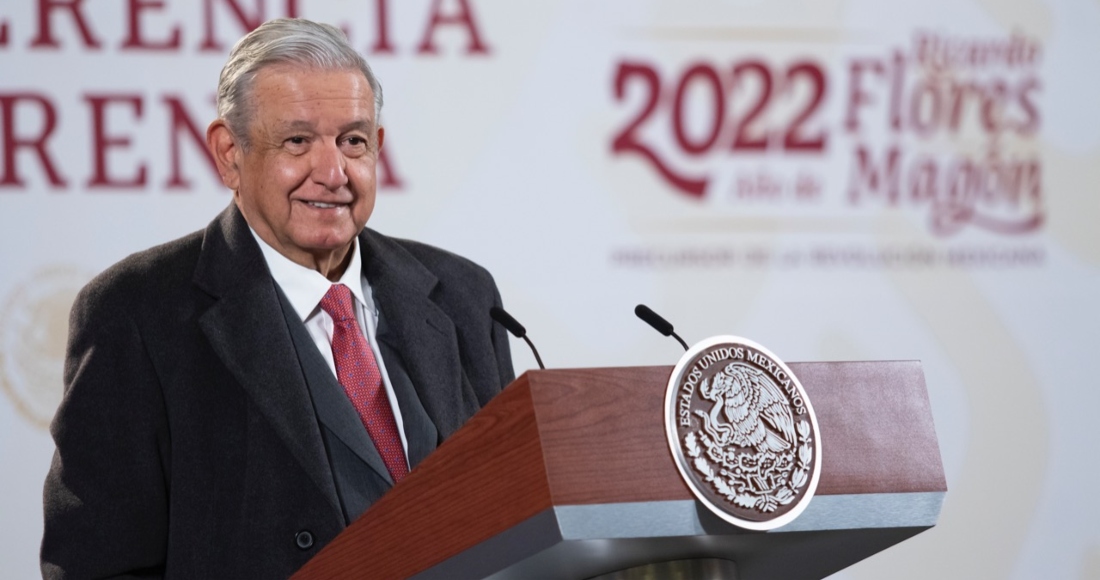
[{"x": 837, "y": 180}]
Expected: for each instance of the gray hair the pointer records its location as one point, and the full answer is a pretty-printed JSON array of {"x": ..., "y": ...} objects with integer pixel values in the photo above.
[{"x": 292, "y": 41}]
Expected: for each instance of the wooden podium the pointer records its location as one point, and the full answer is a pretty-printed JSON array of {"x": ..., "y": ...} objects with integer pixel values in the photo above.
[{"x": 567, "y": 474}]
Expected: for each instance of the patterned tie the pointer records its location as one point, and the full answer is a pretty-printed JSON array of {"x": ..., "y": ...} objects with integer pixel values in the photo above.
[{"x": 358, "y": 372}]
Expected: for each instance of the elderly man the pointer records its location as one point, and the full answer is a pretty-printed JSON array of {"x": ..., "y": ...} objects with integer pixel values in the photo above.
[{"x": 235, "y": 398}]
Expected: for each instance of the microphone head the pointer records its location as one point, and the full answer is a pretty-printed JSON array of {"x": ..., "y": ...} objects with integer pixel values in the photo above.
[
  {"x": 498, "y": 314},
  {"x": 653, "y": 319}
]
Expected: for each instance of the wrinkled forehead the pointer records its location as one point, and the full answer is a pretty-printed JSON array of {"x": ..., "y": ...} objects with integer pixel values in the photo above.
[
  {"x": 279, "y": 74},
  {"x": 296, "y": 95}
]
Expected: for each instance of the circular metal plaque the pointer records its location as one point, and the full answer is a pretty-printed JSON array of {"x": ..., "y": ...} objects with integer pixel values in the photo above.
[{"x": 743, "y": 433}]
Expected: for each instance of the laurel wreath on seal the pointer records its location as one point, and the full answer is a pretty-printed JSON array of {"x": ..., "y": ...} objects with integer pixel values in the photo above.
[{"x": 753, "y": 488}]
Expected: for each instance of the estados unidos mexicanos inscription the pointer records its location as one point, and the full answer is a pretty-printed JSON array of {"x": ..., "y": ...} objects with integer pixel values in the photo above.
[{"x": 743, "y": 433}]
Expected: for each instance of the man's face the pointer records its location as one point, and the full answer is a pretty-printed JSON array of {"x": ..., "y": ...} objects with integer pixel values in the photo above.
[{"x": 306, "y": 182}]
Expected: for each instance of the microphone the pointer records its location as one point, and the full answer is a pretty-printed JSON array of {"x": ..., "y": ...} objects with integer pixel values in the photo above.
[
  {"x": 498, "y": 314},
  {"x": 659, "y": 324}
]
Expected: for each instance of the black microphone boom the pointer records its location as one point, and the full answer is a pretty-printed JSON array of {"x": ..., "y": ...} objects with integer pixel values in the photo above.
[
  {"x": 498, "y": 314},
  {"x": 659, "y": 324},
  {"x": 508, "y": 322}
]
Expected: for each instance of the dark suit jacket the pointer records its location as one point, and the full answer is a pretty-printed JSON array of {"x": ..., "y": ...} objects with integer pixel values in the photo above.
[{"x": 188, "y": 444}]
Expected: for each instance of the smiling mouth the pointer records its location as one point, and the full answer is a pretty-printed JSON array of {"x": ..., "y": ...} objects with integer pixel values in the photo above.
[{"x": 322, "y": 205}]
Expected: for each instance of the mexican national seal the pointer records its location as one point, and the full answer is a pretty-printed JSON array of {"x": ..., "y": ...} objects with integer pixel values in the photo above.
[
  {"x": 34, "y": 323},
  {"x": 743, "y": 433}
]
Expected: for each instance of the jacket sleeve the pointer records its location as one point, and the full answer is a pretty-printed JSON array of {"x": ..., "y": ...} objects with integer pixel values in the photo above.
[
  {"x": 501, "y": 346},
  {"x": 105, "y": 496}
]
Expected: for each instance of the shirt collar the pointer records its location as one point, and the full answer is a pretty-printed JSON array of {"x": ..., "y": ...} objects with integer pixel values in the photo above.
[{"x": 305, "y": 288}]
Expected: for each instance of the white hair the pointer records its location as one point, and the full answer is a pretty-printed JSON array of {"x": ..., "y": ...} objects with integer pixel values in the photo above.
[{"x": 293, "y": 41}]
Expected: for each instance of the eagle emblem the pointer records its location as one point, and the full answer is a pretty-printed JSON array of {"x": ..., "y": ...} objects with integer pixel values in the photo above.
[
  {"x": 749, "y": 410},
  {"x": 743, "y": 433}
]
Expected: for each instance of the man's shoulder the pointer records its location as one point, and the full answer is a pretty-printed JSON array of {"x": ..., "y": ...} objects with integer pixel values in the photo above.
[
  {"x": 444, "y": 264},
  {"x": 159, "y": 270}
]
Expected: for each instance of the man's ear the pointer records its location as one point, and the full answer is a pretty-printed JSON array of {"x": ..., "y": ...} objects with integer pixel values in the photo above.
[
  {"x": 381, "y": 137},
  {"x": 226, "y": 151}
]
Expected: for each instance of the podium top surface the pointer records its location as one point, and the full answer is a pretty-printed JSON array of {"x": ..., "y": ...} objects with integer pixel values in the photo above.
[
  {"x": 877, "y": 434},
  {"x": 562, "y": 456}
]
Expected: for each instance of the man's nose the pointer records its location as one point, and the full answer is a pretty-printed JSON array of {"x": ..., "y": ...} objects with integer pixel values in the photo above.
[{"x": 329, "y": 166}]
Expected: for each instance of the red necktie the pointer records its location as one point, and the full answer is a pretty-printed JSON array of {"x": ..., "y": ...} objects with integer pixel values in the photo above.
[{"x": 358, "y": 372}]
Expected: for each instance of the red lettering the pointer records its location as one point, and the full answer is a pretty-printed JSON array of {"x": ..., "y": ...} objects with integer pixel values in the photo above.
[
  {"x": 45, "y": 36},
  {"x": 135, "y": 39},
  {"x": 744, "y": 140},
  {"x": 709, "y": 77},
  {"x": 867, "y": 177},
  {"x": 629, "y": 141},
  {"x": 382, "y": 24},
  {"x": 102, "y": 142},
  {"x": 793, "y": 139},
  {"x": 181, "y": 123},
  {"x": 3, "y": 32},
  {"x": 897, "y": 89},
  {"x": 925, "y": 99},
  {"x": 1031, "y": 122},
  {"x": 857, "y": 97},
  {"x": 922, "y": 180},
  {"x": 247, "y": 22},
  {"x": 464, "y": 17},
  {"x": 387, "y": 176},
  {"x": 960, "y": 93},
  {"x": 993, "y": 106},
  {"x": 13, "y": 143}
]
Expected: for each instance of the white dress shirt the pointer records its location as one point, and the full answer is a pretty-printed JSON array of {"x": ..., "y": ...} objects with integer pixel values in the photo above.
[{"x": 305, "y": 288}]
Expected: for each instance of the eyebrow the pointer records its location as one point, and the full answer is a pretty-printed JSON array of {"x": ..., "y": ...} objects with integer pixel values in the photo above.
[
  {"x": 361, "y": 125},
  {"x": 295, "y": 126},
  {"x": 364, "y": 126}
]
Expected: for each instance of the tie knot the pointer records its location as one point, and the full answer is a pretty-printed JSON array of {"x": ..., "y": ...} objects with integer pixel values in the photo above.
[{"x": 338, "y": 303}]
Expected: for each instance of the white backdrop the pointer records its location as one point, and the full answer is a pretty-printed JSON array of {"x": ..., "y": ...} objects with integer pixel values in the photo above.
[{"x": 837, "y": 180}]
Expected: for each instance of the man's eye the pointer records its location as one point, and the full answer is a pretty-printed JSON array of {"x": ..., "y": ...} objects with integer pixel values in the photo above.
[
  {"x": 297, "y": 140},
  {"x": 356, "y": 141}
]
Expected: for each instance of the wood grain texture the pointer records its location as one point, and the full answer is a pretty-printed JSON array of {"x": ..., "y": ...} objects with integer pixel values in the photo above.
[
  {"x": 603, "y": 435},
  {"x": 604, "y": 440},
  {"x": 595, "y": 436},
  {"x": 877, "y": 434},
  {"x": 488, "y": 477}
]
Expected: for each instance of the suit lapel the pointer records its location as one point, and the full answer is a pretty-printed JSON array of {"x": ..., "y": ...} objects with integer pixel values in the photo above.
[
  {"x": 417, "y": 328},
  {"x": 247, "y": 330},
  {"x": 420, "y": 430},
  {"x": 331, "y": 403}
]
